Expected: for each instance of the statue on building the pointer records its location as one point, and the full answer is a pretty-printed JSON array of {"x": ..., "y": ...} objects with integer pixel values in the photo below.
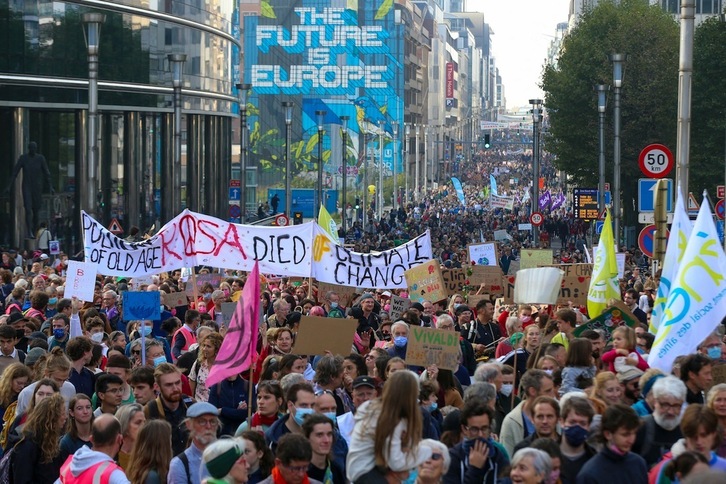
[{"x": 35, "y": 173}]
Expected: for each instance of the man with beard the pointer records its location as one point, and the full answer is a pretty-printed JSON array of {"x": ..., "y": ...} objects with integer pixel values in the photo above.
[
  {"x": 661, "y": 429},
  {"x": 630, "y": 380},
  {"x": 598, "y": 343},
  {"x": 202, "y": 424},
  {"x": 170, "y": 405}
]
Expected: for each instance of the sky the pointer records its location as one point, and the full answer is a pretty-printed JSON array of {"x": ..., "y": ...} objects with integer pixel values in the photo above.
[{"x": 523, "y": 30}]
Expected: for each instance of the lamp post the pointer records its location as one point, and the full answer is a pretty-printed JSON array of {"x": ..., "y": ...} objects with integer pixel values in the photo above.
[
  {"x": 345, "y": 120},
  {"x": 92, "y": 33},
  {"x": 426, "y": 156},
  {"x": 320, "y": 115},
  {"x": 602, "y": 97},
  {"x": 287, "y": 106},
  {"x": 381, "y": 128},
  {"x": 176, "y": 61},
  {"x": 395, "y": 151},
  {"x": 405, "y": 164},
  {"x": 416, "y": 168},
  {"x": 243, "y": 91},
  {"x": 536, "y": 119},
  {"x": 618, "y": 61}
]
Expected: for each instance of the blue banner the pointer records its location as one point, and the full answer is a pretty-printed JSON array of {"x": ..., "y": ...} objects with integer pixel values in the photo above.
[
  {"x": 493, "y": 183},
  {"x": 459, "y": 190}
]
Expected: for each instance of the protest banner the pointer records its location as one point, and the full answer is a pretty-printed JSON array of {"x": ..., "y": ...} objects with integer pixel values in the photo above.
[
  {"x": 500, "y": 235},
  {"x": 81, "y": 280},
  {"x": 425, "y": 282},
  {"x": 318, "y": 335},
  {"x": 483, "y": 254},
  {"x": 498, "y": 201},
  {"x": 141, "y": 305},
  {"x": 473, "y": 299},
  {"x": 454, "y": 280},
  {"x": 376, "y": 270},
  {"x": 490, "y": 277},
  {"x": 428, "y": 346},
  {"x": 227, "y": 309},
  {"x": 399, "y": 305},
  {"x": 174, "y": 299},
  {"x": 574, "y": 289},
  {"x": 616, "y": 315},
  {"x": 345, "y": 293},
  {"x": 213, "y": 278},
  {"x": 531, "y": 258}
]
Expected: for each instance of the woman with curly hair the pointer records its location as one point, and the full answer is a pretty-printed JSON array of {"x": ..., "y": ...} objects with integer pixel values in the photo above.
[
  {"x": 13, "y": 432},
  {"x": 37, "y": 457},
  {"x": 149, "y": 462},
  {"x": 15, "y": 377},
  {"x": 208, "y": 349}
]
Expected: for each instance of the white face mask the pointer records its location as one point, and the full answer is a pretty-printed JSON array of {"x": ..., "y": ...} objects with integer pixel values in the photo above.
[
  {"x": 506, "y": 389},
  {"x": 97, "y": 337}
]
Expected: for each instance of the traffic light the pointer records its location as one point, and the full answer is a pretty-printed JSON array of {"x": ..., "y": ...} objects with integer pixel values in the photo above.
[{"x": 487, "y": 142}]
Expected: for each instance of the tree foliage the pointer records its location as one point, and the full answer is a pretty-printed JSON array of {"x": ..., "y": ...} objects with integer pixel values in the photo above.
[{"x": 649, "y": 100}]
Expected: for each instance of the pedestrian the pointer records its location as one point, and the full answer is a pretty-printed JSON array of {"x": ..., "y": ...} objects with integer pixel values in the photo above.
[
  {"x": 259, "y": 457},
  {"x": 208, "y": 349},
  {"x": 79, "y": 428},
  {"x": 132, "y": 418},
  {"x": 226, "y": 463},
  {"x": 150, "y": 458}
]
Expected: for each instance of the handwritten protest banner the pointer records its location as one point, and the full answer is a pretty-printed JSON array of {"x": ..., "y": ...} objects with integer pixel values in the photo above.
[
  {"x": 81, "y": 280},
  {"x": 318, "y": 335},
  {"x": 377, "y": 270},
  {"x": 139, "y": 305},
  {"x": 614, "y": 316},
  {"x": 346, "y": 293},
  {"x": 399, "y": 305},
  {"x": 454, "y": 280},
  {"x": 174, "y": 299},
  {"x": 483, "y": 254},
  {"x": 473, "y": 299},
  {"x": 213, "y": 278},
  {"x": 489, "y": 277},
  {"x": 531, "y": 258},
  {"x": 428, "y": 346},
  {"x": 425, "y": 282}
]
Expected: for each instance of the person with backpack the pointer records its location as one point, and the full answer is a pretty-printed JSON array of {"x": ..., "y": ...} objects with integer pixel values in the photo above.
[{"x": 202, "y": 423}]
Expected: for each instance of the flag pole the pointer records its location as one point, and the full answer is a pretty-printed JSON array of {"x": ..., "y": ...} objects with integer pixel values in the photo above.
[{"x": 194, "y": 289}]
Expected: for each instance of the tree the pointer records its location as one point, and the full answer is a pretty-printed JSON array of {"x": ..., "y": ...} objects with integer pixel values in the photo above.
[{"x": 650, "y": 37}]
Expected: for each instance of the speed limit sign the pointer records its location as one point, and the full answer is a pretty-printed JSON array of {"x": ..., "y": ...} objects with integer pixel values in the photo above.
[
  {"x": 536, "y": 218},
  {"x": 656, "y": 161},
  {"x": 281, "y": 220}
]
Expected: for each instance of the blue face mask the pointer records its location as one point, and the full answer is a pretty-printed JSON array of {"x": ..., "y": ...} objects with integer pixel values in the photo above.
[
  {"x": 714, "y": 352},
  {"x": 575, "y": 435},
  {"x": 301, "y": 413},
  {"x": 146, "y": 330},
  {"x": 207, "y": 295},
  {"x": 400, "y": 341},
  {"x": 432, "y": 407},
  {"x": 53, "y": 301},
  {"x": 331, "y": 415},
  {"x": 159, "y": 360},
  {"x": 333, "y": 304},
  {"x": 59, "y": 333}
]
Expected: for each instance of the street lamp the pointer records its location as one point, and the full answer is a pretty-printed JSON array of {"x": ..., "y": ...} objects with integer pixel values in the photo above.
[
  {"x": 381, "y": 128},
  {"x": 602, "y": 99},
  {"x": 176, "y": 61},
  {"x": 395, "y": 152},
  {"x": 416, "y": 160},
  {"x": 92, "y": 34},
  {"x": 536, "y": 119},
  {"x": 320, "y": 115},
  {"x": 243, "y": 91},
  {"x": 405, "y": 164},
  {"x": 618, "y": 61},
  {"x": 345, "y": 120},
  {"x": 287, "y": 105}
]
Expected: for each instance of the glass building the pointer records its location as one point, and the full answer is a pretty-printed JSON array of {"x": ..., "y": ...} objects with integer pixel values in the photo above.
[{"x": 44, "y": 98}]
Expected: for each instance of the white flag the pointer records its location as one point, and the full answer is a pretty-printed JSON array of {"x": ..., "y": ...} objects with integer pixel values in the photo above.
[
  {"x": 677, "y": 241},
  {"x": 696, "y": 303}
]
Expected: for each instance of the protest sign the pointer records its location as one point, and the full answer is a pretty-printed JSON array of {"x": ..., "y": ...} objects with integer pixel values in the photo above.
[
  {"x": 489, "y": 277},
  {"x": 318, "y": 335},
  {"x": 473, "y": 299},
  {"x": 531, "y": 258},
  {"x": 345, "y": 293},
  {"x": 377, "y": 270},
  {"x": 614, "y": 316},
  {"x": 214, "y": 279},
  {"x": 227, "y": 309},
  {"x": 141, "y": 305},
  {"x": 500, "y": 235},
  {"x": 574, "y": 289},
  {"x": 174, "y": 299},
  {"x": 483, "y": 254},
  {"x": 428, "y": 346},
  {"x": 425, "y": 282},
  {"x": 454, "y": 280},
  {"x": 81, "y": 280},
  {"x": 506, "y": 203},
  {"x": 399, "y": 305}
]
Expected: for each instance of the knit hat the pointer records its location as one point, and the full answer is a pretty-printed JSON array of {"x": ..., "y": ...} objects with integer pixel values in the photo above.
[
  {"x": 365, "y": 296},
  {"x": 33, "y": 356},
  {"x": 220, "y": 456}
]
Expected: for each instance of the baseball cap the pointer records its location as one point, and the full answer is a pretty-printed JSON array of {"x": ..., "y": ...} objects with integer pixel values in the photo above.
[
  {"x": 201, "y": 408},
  {"x": 43, "y": 256},
  {"x": 364, "y": 381}
]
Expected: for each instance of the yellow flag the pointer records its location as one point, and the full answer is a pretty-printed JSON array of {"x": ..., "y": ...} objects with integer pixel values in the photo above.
[
  {"x": 328, "y": 224},
  {"x": 604, "y": 282}
]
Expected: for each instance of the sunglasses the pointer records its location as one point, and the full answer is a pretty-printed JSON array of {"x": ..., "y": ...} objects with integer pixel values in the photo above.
[{"x": 436, "y": 456}]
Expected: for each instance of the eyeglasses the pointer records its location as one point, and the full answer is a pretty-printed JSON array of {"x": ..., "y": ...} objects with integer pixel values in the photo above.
[
  {"x": 669, "y": 406},
  {"x": 436, "y": 456},
  {"x": 207, "y": 422},
  {"x": 296, "y": 469},
  {"x": 477, "y": 430},
  {"x": 135, "y": 352}
]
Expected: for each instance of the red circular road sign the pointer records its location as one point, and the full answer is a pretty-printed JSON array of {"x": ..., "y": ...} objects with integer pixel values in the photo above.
[
  {"x": 646, "y": 239},
  {"x": 656, "y": 161},
  {"x": 720, "y": 209},
  {"x": 281, "y": 220},
  {"x": 536, "y": 218}
]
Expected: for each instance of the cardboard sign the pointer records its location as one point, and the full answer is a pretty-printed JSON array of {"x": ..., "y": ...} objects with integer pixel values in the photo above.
[
  {"x": 141, "y": 305},
  {"x": 454, "y": 280},
  {"x": 614, "y": 316},
  {"x": 425, "y": 282},
  {"x": 399, "y": 305},
  {"x": 428, "y": 346},
  {"x": 346, "y": 293},
  {"x": 531, "y": 258},
  {"x": 490, "y": 277},
  {"x": 574, "y": 270},
  {"x": 214, "y": 279},
  {"x": 483, "y": 254},
  {"x": 228, "y": 309},
  {"x": 473, "y": 299},
  {"x": 574, "y": 288},
  {"x": 81, "y": 280},
  {"x": 174, "y": 299},
  {"x": 318, "y": 335}
]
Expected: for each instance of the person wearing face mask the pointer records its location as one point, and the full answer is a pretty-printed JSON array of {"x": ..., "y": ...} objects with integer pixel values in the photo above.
[
  {"x": 60, "y": 327},
  {"x": 300, "y": 399},
  {"x": 615, "y": 462},
  {"x": 333, "y": 306},
  {"x": 576, "y": 414}
]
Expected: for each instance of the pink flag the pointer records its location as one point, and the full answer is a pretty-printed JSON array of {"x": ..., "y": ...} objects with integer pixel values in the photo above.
[{"x": 239, "y": 345}]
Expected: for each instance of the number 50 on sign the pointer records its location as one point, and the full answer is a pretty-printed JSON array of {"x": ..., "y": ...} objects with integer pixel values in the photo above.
[{"x": 656, "y": 161}]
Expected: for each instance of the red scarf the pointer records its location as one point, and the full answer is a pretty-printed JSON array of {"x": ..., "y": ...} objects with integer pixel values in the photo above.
[
  {"x": 260, "y": 420},
  {"x": 278, "y": 479}
]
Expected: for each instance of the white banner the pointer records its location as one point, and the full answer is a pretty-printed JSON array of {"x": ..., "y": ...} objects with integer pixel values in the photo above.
[
  {"x": 192, "y": 239},
  {"x": 502, "y": 202},
  {"x": 336, "y": 264}
]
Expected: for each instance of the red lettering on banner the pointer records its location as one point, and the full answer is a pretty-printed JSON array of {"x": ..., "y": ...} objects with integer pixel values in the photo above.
[
  {"x": 165, "y": 245},
  {"x": 188, "y": 237},
  {"x": 233, "y": 242},
  {"x": 211, "y": 236}
]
